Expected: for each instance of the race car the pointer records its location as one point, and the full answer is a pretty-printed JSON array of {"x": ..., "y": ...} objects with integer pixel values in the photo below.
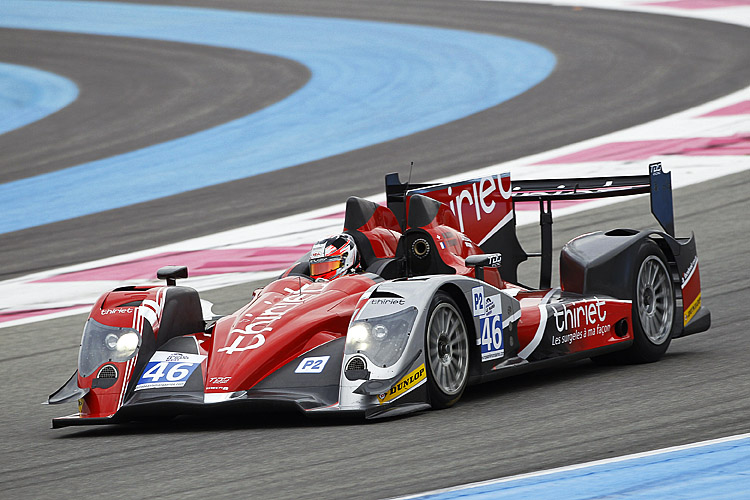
[{"x": 431, "y": 304}]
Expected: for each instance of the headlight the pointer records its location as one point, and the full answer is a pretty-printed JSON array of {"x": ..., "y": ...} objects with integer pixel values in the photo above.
[
  {"x": 127, "y": 344},
  {"x": 358, "y": 332},
  {"x": 102, "y": 343},
  {"x": 111, "y": 341},
  {"x": 381, "y": 339},
  {"x": 123, "y": 344},
  {"x": 380, "y": 331}
]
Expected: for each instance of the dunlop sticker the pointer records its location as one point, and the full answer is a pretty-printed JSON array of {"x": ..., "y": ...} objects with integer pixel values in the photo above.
[
  {"x": 410, "y": 381},
  {"x": 692, "y": 309}
]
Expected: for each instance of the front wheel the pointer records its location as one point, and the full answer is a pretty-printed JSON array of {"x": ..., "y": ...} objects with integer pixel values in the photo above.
[{"x": 447, "y": 352}]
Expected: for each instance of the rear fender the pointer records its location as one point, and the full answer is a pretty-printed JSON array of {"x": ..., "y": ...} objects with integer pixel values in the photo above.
[{"x": 604, "y": 263}]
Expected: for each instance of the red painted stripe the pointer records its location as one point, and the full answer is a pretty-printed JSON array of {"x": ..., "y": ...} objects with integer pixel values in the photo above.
[
  {"x": 701, "y": 4},
  {"x": 200, "y": 263},
  {"x": 14, "y": 315},
  {"x": 741, "y": 108},
  {"x": 642, "y": 150},
  {"x": 337, "y": 215}
]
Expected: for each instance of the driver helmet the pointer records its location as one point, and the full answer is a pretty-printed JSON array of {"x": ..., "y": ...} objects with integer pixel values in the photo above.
[{"x": 333, "y": 257}]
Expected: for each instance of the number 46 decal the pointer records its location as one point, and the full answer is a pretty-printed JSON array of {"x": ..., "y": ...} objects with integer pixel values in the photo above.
[
  {"x": 168, "y": 369},
  {"x": 492, "y": 337},
  {"x": 171, "y": 372}
]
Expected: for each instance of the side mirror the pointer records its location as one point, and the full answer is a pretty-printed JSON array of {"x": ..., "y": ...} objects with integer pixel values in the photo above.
[
  {"x": 479, "y": 262},
  {"x": 172, "y": 273}
]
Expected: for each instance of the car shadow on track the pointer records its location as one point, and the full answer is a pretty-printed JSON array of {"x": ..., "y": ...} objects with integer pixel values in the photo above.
[
  {"x": 550, "y": 379},
  {"x": 215, "y": 421},
  {"x": 579, "y": 372}
]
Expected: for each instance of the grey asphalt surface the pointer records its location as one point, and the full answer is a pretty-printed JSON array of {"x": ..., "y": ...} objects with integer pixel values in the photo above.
[
  {"x": 134, "y": 94},
  {"x": 574, "y": 414}
]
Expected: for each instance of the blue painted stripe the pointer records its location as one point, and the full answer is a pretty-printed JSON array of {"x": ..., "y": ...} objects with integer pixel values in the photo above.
[
  {"x": 371, "y": 82},
  {"x": 717, "y": 469},
  {"x": 29, "y": 94}
]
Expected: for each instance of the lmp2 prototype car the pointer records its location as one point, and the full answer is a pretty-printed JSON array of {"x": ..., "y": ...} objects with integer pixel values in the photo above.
[{"x": 436, "y": 306}]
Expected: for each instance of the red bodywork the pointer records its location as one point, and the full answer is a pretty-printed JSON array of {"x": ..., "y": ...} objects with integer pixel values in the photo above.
[{"x": 290, "y": 317}]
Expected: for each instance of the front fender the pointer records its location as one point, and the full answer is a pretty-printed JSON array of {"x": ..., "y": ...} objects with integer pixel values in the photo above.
[{"x": 404, "y": 381}]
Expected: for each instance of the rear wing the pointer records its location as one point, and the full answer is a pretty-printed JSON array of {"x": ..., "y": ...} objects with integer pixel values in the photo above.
[{"x": 657, "y": 183}]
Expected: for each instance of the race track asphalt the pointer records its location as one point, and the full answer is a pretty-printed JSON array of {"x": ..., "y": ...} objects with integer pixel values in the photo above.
[{"x": 614, "y": 70}]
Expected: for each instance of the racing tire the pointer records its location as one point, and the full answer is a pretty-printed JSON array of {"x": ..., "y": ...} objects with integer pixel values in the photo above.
[
  {"x": 446, "y": 352},
  {"x": 653, "y": 309}
]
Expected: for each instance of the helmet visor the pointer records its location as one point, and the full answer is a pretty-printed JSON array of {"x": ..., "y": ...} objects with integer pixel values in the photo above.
[{"x": 322, "y": 267}]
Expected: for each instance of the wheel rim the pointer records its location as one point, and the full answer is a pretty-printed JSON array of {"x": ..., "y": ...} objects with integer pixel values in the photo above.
[
  {"x": 655, "y": 302},
  {"x": 448, "y": 349}
]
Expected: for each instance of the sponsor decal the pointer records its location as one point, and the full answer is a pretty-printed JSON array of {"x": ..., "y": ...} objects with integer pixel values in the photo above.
[
  {"x": 318, "y": 251},
  {"x": 177, "y": 356},
  {"x": 253, "y": 335},
  {"x": 481, "y": 206},
  {"x": 689, "y": 273},
  {"x": 117, "y": 310},
  {"x": 168, "y": 369},
  {"x": 580, "y": 320},
  {"x": 388, "y": 302},
  {"x": 219, "y": 380},
  {"x": 313, "y": 364},
  {"x": 410, "y": 382},
  {"x": 253, "y": 341},
  {"x": 690, "y": 311},
  {"x": 489, "y": 304},
  {"x": 477, "y": 195},
  {"x": 579, "y": 315},
  {"x": 691, "y": 291},
  {"x": 477, "y": 300}
]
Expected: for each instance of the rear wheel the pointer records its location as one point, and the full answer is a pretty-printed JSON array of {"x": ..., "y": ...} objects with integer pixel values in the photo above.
[
  {"x": 447, "y": 352},
  {"x": 653, "y": 308}
]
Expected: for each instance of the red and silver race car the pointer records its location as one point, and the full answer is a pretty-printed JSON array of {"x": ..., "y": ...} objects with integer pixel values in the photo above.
[{"x": 434, "y": 305}]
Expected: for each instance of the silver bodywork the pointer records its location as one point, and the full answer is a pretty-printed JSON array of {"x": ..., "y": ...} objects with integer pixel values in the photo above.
[{"x": 410, "y": 371}]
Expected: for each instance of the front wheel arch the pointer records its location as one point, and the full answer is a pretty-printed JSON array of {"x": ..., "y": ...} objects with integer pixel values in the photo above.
[{"x": 464, "y": 307}]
